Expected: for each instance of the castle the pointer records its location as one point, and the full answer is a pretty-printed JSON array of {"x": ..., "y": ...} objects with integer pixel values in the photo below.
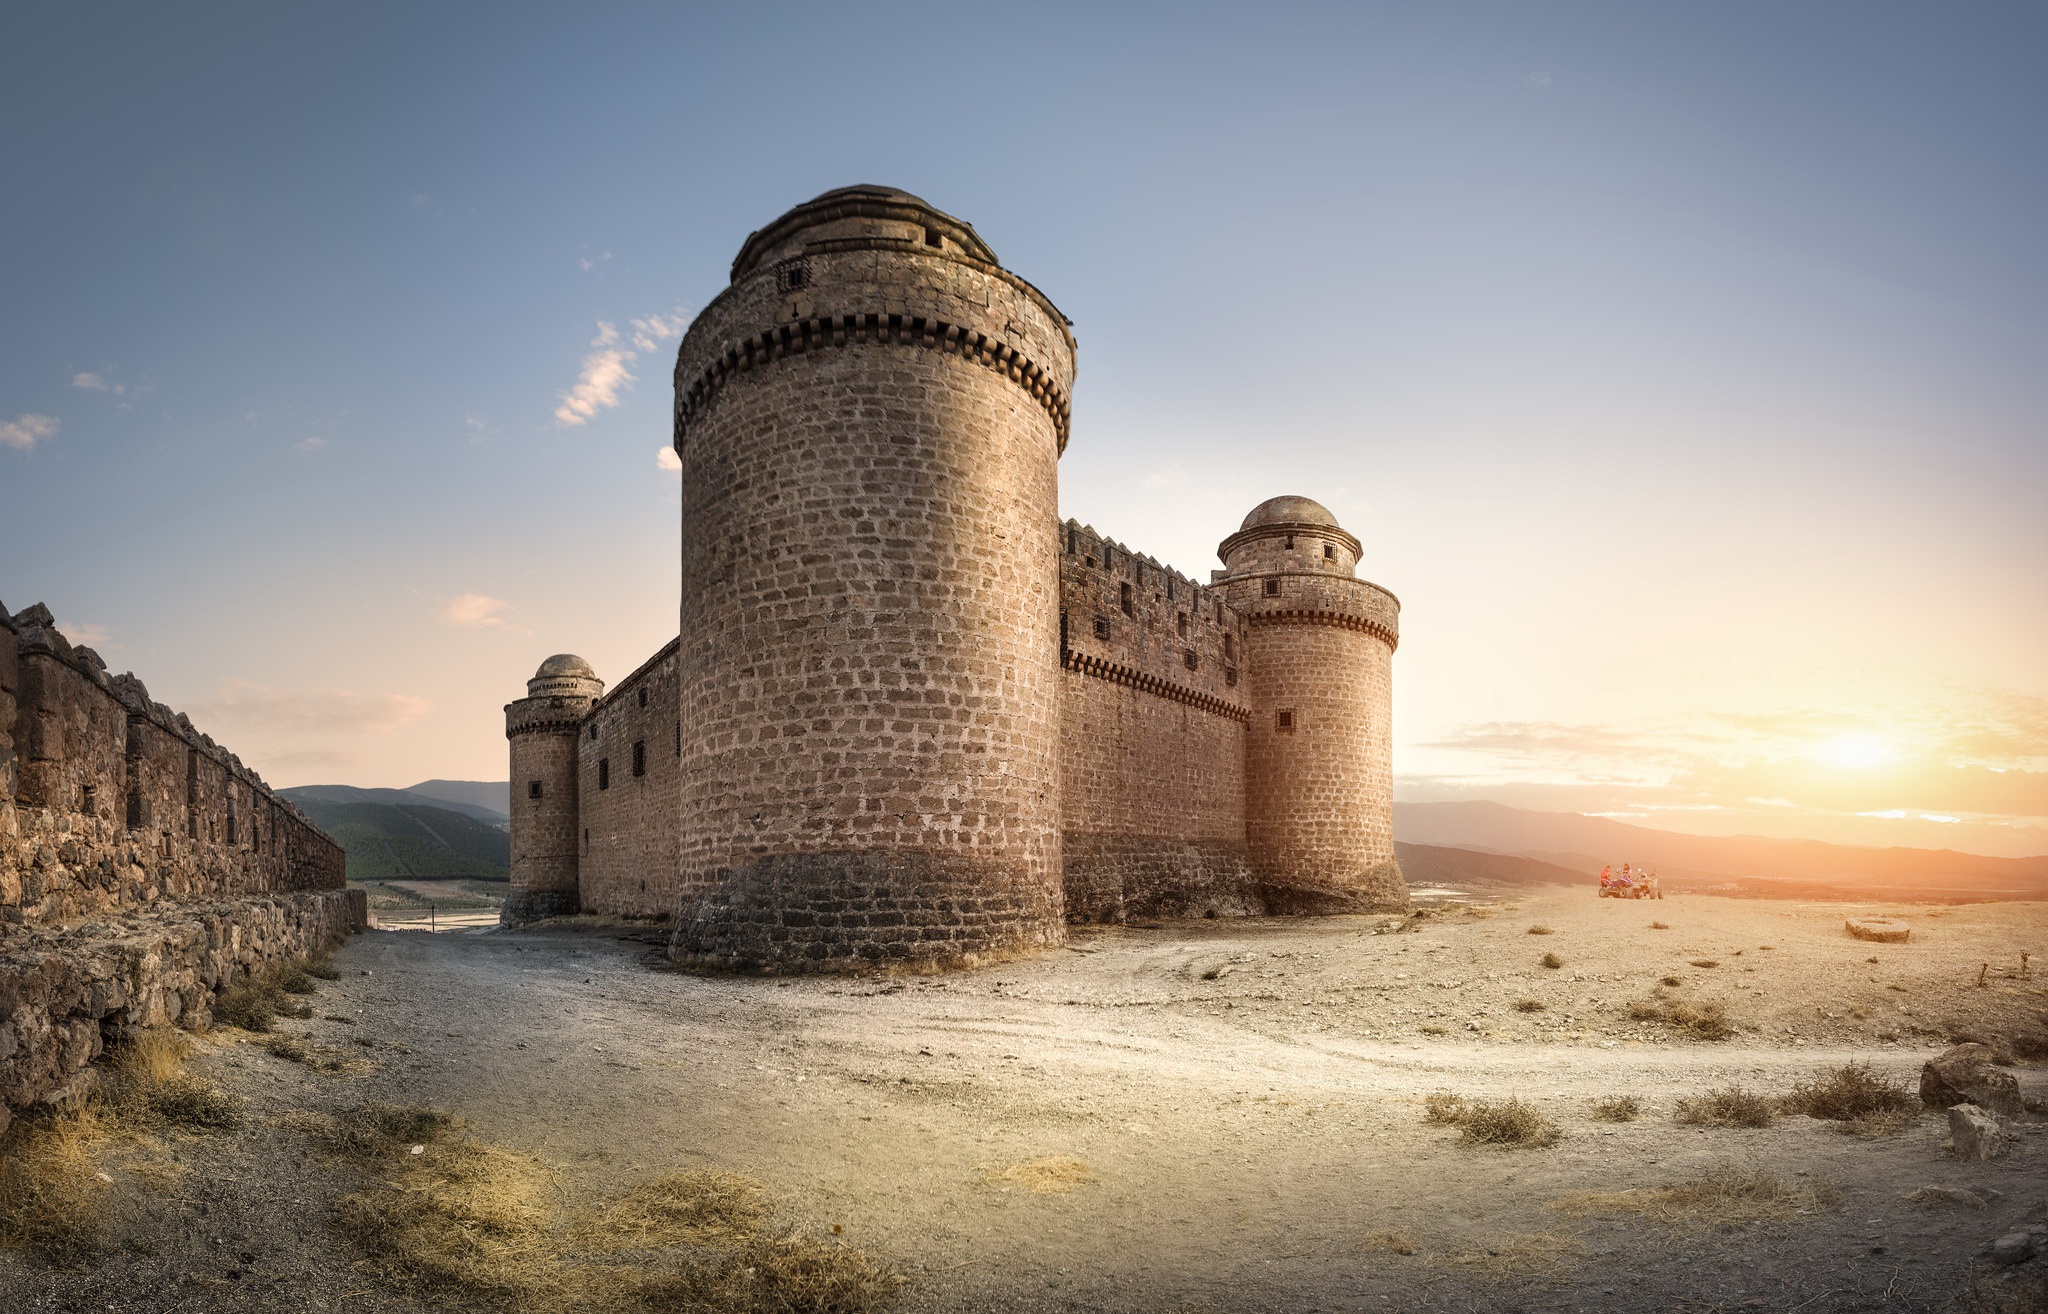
[{"x": 911, "y": 716}]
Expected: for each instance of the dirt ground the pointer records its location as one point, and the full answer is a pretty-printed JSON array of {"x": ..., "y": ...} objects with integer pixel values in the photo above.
[{"x": 1247, "y": 1097}]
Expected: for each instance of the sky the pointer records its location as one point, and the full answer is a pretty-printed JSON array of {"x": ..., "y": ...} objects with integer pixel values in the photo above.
[{"x": 1683, "y": 369}]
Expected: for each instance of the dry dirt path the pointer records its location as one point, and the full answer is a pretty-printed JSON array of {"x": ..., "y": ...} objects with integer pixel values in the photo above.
[{"x": 1244, "y": 1132}]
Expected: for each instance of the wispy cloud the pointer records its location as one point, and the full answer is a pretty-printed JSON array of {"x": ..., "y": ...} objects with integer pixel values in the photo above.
[
  {"x": 308, "y": 446},
  {"x": 665, "y": 458},
  {"x": 23, "y": 432},
  {"x": 591, "y": 262},
  {"x": 307, "y": 711},
  {"x": 477, "y": 609},
  {"x": 97, "y": 637},
  {"x": 87, "y": 381},
  {"x": 608, "y": 367}
]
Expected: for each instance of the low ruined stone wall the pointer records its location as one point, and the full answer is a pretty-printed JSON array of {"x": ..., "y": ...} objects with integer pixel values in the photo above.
[{"x": 65, "y": 993}]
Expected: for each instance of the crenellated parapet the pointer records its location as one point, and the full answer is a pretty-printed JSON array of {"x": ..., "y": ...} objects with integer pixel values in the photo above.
[{"x": 117, "y": 801}]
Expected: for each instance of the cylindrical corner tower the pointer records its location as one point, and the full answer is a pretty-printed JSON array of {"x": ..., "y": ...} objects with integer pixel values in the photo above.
[
  {"x": 543, "y": 727},
  {"x": 1319, "y": 765},
  {"x": 869, "y": 421}
]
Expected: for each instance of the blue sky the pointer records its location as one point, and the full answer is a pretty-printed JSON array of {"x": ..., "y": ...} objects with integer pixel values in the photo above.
[{"x": 1682, "y": 369}]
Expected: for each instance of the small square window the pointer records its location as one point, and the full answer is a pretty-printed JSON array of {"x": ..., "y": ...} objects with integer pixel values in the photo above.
[
  {"x": 932, "y": 238},
  {"x": 1102, "y": 627},
  {"x": 604, "y": 773},
  {"x": 1181, "y": 623},
  {"x": 1283, "y": 720},
  {"x": 643, "y": 698},
  {"x": 1128, "y": 600},
  {"x": 1189, "y": 660},
  {"x": 1230, "y": 676},
  {"x": 639, "y": 757},
  {"x": 533, "y": 789},
  {"x": 1272, "y": 588},
  {"x": 1329, "y": 551}
]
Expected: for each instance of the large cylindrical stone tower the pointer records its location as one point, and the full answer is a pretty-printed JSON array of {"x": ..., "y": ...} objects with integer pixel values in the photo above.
[
  {"x": 869, "y": 421},
  {"x": 1319, "y": 774},
  {"x": 542, "y": 728}
]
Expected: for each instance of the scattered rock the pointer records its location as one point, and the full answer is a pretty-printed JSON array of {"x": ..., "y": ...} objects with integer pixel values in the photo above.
[
  {"x": 1978, "y": 1135},
  {"x": 1882, "y": 929},
  {"x": 1946, "y": 1195},
  {"x": 1968, "y": 1074},
  {"x": 2015, "y": 1248}
]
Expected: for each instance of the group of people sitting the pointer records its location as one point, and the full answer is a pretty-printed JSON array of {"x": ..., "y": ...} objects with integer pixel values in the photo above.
[{"x": 1631, "y": 883}]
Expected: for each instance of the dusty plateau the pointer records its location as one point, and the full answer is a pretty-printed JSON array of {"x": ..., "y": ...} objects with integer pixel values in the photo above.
[{"x": 1242, "y": 1102}]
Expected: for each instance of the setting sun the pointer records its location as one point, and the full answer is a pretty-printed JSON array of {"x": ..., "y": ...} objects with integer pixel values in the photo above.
[{"x": 1858, "y": 752}]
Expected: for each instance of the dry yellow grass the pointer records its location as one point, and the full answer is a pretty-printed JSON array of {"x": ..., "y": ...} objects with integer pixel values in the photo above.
[
  {"x": 452, "y": 1219},
  {"x": 53, "y": 1190},
  {"x": 702, "y": 1206},
  {"x": 1618, "y": 1108},
  {"x": 1052, "y": 1174},
  {"x": 1725, "y": 1196},
  {"x": 1731, "y": 1106},
  {"x": 1390, "y": 1240},
  {"x": 1520, "y": 1256}
]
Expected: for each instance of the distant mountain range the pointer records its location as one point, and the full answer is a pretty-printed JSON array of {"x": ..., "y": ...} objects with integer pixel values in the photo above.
[
  {"x": 1749, "y": 864},
  {"x": 410, "y": 833},
  {"x": 476, "y": 799}
]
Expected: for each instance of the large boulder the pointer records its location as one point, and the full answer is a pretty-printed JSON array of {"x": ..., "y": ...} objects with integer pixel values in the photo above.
[
  {"x": 1967, "y": 1075},
  {"x": 1978, "y": 1135},
  {"x": 1884, "y": 930}
]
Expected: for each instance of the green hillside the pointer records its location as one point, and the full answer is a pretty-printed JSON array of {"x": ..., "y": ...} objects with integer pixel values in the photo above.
[{"x": 401, "y": 840}]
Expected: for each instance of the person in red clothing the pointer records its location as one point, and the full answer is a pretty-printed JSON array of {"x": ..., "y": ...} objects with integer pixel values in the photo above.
[{"x": 1604, "y": 878}]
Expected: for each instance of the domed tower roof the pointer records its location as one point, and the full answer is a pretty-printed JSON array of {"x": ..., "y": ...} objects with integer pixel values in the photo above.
[
  {"x": 1289, "y": 511},
  {"x": 564, "y": 674},
  {"x": 1279, "y": 517},
  {"x": 861, "y": 215}
]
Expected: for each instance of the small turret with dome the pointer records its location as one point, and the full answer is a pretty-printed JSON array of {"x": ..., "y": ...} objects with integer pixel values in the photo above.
[
  {"x": 543, "y": 727},
  {"x": 1319, "y": 794}
]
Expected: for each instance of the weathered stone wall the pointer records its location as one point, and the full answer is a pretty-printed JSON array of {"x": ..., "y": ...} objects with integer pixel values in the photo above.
[
  {"x": 869, "y": 422},
  {"x": 547, "y": 838},
  {"x": 629, "y": 780},
  {"x": 119, "y": 802},
  {"x": 141, "y": 864},
  {"x": 1151, "y": 741},
  {"x": 64, "y": 993}
]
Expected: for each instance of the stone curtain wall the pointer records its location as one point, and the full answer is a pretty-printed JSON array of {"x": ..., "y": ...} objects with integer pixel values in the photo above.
[
  {"x": 118, "y": 802},
  {"x": 632, "y": 859},
  {"x": 120, "y": 822},
  {"x": 1152, "y": 739},
  {"x": 869, "y": 421}
]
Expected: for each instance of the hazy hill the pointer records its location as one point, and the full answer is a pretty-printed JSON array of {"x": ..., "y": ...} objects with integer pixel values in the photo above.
[
  {"x": 407, "y": 839},
  {"x": 1762, "y": 865},
  {"x": 491, "y": 795},
  {"x": 403, "y": 797},
  {"x": 1426, "y": 864}
]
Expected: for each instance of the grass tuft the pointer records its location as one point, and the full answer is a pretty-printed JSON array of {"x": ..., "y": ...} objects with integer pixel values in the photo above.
[
  {"x": 1510, "y": 1122},
  {"x": 702, "y": 1206},
  {"x": 1731, "y": 1106},
  {"x": 1528, "y": 1006},
  {"x": 149, "y": 1087},
  {"x": 1551, "y": 960},
  {"x": 53, "y": 1198},
  {"x": 1395, "y": 1242},
  {"x": 1618, "y": 1108},
  {"x": 1847, "y": 1094},
  {"x": 1659, "y": 926},
  {"x": 1669, "y": 981},
  {"x": 1706, "y": 1021},
  {"x": 1540, "y": 929},
  {"x": 1443, "y": 1109},
  {"x": 1706, "y": 962}
]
